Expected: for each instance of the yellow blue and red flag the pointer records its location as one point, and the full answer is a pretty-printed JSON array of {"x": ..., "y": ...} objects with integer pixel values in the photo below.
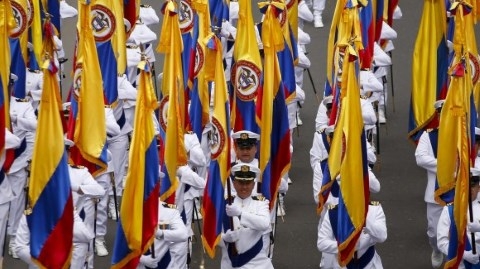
[
  {"x": 90, "y": 134},
  {"x": 246, "y": 71},
  {"x": 131, "y": 11},
  {"x": 7, "y": 25},
  {"x": 172, "y": 144},
  {"x": 456, "y": 136},
  {"x": 368, "y": 31},
  {"x": 273, "y": 42},
  {"x": 199, "y": 91},
  {"x": 347, "y": 158},
  {"x": 430, "y": 57},
  {"x": 50, "y": 197},
  {"x": 139, "y": 214},
  {"x": 213, "y": 206},
  {"x": 18, "y": 46}
]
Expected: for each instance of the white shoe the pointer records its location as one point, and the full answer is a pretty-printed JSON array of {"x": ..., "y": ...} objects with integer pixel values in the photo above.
[
  {"x": 111, "y": 209},
  {"x": 299, "y": 120},
  {"x": 437, "y": 259},
  {"x": 280, "y": 210},
  {"x": 100, "y": 247},
  {"x": 381, "y": 116},
  {"x": 11, "y": 250},
  {"x": 317, "y": 21}
]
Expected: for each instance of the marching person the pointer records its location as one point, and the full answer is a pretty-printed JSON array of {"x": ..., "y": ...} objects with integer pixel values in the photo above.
[
  {"x": 375, "y": 231},
  {"x": 446, "y": 218},
  {"x": 242, "y": 244},
  {"x": 6, "y": 194},
  {"x": 171, "y": 231},
  {"x": 24, "y": 125},
  {"x": 426, "y": 157}
]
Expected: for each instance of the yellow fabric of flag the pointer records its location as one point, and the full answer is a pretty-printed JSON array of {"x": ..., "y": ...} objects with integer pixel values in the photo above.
[
  {"x": 171, "y": 44},
  {"x": 90, "y": 128}
]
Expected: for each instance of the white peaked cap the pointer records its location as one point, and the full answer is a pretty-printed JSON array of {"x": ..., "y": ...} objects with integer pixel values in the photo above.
[
  {"x": 303, "y": 38},
  {"x": 66, "y": 10},
  {"x": 380, "y": 57},
  {"x": 303, "y": 60},
  {"x": 397, "y": 13},
  {"x": 304, "y": 12},
  {"x": 369, "y": 82},
  {"x": 141, "y": 34},
  {"x": 388, "y": 46},
  {"x": 148, "y": 15},
  {"x": 438, "y": 104},
  {"x": 387, "y": 32}
]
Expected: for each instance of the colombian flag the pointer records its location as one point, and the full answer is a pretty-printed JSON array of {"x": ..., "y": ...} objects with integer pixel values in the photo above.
[
  {"x": 247, "y": 71},
  {"x": 430, "y": 57},
  {"x": 50, "y": 196},
  {"x": 348, "y": 157},
  {"x": 213, "y": 198},
  {"x": 170, "y": 43},
  {"x": 139, "y": 214},
  {"x": 90, "y": 129}
]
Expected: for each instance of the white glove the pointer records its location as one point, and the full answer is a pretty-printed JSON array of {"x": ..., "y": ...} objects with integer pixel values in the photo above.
[
  {"x": 364, "y": 241},
  {"x": 159, "y": 234},
  {"x": 182, "y": 170},
  {"x": 230, "y": 236},
  {"x": 474, "y": 226},
  {"x": 148, "y": 261},
  {"x": 470, "y": 257},
  {"x": 233, "y": 210}
]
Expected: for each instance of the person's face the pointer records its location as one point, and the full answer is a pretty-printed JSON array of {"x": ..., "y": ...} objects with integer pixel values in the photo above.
[
  {"x": 245, "y": 154},
  {"x": 329, "y": 110},
  {"x": 243, "y": 188},
  {"x": 474, "y": 190}
]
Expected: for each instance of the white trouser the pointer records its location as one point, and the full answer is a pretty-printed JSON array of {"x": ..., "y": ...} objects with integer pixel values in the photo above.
[
  {"x": 433, "y": 214},
  {"x": 318, "y": 7},
  {"x": 102, "y": 206},
  {"x": 79, "y": 255},
  {"x": 118, "y": 148},
  {"x": 17, "y": 181},
  {"x": 3, "y": 224}
]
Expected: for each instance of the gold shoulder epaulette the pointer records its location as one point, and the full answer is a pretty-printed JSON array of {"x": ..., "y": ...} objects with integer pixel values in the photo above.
[
  {"x": 259, "y": 197},
  {"x": 363, "y": 97},
  {"x": 145, "y": 5},
  {"x": 332, "y": 206},
  {"x": 21, "y": 100},
  {"x": 429, "y": 130},
  {"x": 132, "y": 46},
  {"x": 33, "y": 70},
  {"x": 172, "y": 206},
  {"x": 77, "y": 166},
  {"x": 375, "y": 203}
]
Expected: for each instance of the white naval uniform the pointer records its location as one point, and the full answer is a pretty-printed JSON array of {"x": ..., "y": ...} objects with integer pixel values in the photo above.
[
  {"x": 174, "y": 239},
  {"x": 24, "y": 125},
  {"x": 425, "y": 158},
  {"x": 368, "y": 114},
  {"x": 113, "y": 130},
  {"x": 184, "y": 202},
  {"x": 119, "y": 145},
  {"x": 251, "y": 226},
  {"x": 81, "y": 179},
  {"x": 22, "y": 240},
  {"x": 443, "y": 229},
  {"x": 375, "y": 231},
  {"x": 6, "y": 194}
]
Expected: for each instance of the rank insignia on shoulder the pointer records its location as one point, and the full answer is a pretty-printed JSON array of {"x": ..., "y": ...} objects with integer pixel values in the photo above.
[
  {"x": 259, "y": 197},
  {"x": 331, "y": 206},
  {"x": 375, "y": 203},
  {"x": 145, "y": 5},
  {"x": 77, "y": 166},
  {"x": 429, "y": 130}
]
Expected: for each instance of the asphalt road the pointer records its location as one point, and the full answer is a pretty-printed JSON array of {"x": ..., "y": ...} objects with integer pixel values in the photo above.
[{"x": 403, "y": 183}]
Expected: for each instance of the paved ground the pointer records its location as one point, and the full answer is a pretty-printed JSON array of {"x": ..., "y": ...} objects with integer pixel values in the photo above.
[{"x": 402, "y": 181}]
